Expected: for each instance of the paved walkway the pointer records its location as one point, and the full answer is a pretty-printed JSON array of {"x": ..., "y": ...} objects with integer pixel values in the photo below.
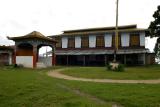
[{"x": 57, "y": 74}]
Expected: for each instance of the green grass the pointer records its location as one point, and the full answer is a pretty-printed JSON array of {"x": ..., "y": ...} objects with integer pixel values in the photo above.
[
  {"x": 136, "y": 73},
  {"x": 128, "y": 95},
  {"x": 21, "y": 87}
]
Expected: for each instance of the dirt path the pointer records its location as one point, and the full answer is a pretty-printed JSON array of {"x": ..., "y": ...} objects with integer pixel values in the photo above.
[
  {"x": 88, "y": 96},
  {"x": 57, "y": 74}
]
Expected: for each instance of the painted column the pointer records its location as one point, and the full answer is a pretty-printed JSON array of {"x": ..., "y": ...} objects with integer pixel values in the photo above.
[
  {"x": 105, "y": 60},
  {"x": 15, "y": 54},
  {"x": 37, "y": 55},
  {"x": 84, "y": 60},
  {"x": 125, "y": 59},
  {"x": 67, "y": 60},
  {"x": 53, "y": 57},
  {"x": 34, "y": 56},
  {"x": 10, "y": 58},
  {"x": 144, "y": 58}
]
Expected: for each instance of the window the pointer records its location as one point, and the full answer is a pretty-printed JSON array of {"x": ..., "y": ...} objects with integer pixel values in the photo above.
[
  {"x": 59, "y": 44},
  {"x": 100, "y": 41},
  {"x": 134, "y": 39},
  {"x": 113, "y": 40},
  {"x": 71, "y": 42},
  {"x": 85, "y": 42}
]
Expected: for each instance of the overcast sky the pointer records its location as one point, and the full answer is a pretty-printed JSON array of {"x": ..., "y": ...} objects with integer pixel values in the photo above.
[{"x": 50, "y": 17}]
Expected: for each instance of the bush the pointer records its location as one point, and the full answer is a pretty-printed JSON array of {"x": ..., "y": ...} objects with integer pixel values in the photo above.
[
  {"x": 18, "y": 66},
  {"x": 109, "y": 67},
  {"x": 120, "y": 68},
  {"x": 15, "y": 65}
]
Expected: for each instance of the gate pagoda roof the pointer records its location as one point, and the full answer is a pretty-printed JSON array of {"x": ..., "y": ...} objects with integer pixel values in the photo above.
[{"x": 33, "y": 35}]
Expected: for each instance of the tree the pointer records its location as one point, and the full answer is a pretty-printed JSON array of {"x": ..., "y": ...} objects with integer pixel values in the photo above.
[
  {"x": 157, "y": 49},
  {"x": 154, "y": 27},
  {"x": 154, "y": 31}
]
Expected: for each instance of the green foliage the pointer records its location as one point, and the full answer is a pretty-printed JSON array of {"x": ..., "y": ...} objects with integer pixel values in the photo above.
[
  {"x": 109, "y": 67},
  {"x": 120, "y": 68},
  {"x": 154, "y": 31},
  {"x": 154, "y": 27},
  {"x": 157, "y": 49}
]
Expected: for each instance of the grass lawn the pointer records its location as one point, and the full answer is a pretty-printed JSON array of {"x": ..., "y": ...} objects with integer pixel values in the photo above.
[
  {"x": 131, "y": 73},
  {"x": 21, "y": 87}
]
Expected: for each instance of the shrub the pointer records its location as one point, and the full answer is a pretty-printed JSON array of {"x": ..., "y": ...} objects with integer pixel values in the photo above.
[
  {"x": 15, "y": 65},
  {"x": 18, "y": 66},
  {"x": 120, "y": 68},
  {"x": 109, "y": 67}
]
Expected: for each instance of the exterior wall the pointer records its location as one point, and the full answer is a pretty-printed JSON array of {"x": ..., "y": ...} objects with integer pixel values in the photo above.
[
  {"x": 150, "y": 58},
  {"x": 10, "y": 59},
  {"x": 141, "y": 59},
  {"x": 24, "y": 52},
  {"x": 108, "y": 40},
  {"x": 133, "y": 40},
  {"x": 92, "y": 41},
  {"x": 125, "y": 39},
  {"x": 6, "y": 57},
  {"x": 77, "y": 42},
  {"x": 64, "y": 42},
  {"x": 26, "y": 61},
  {"x": 129, "y": 40}
]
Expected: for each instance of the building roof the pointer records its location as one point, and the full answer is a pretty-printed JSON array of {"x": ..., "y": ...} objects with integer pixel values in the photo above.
[
  {"x": 3, "y": 47},
  {"x": 32, "y": 35},
  {"x": 100, "y": 51},
  {"x": 104, "y": 31},
  {"x": 101, "y": 29},
  {"x": 126, "y": 28}
]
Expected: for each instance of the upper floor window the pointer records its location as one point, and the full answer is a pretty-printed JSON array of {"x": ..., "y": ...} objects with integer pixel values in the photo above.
[
  {"x": 59, "y": 42},
  {"x": 119, "y": 40},
  {"x": 100, "y": 41},
  {"x": 134, "y": 39},
  {"x": 84, "y": 42},
  {"x": 71, "y": 42}
]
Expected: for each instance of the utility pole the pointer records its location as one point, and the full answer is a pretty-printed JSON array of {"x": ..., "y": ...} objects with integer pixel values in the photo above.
[{"x": 116, "y": 33}]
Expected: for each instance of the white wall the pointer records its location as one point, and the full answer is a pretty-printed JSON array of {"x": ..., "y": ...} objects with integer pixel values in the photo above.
[
  {"x": 26, "y": 61},
  {"x": 142, "y": 39},
  {"x": 77, "y": 42},
  {"x": 125, "y": 37},
  {"x": 64, "y": 42},
  {"x": 10, "y": 59},
  {"x": 92, "y": 41},
  {"x": 108, "y": 40}
]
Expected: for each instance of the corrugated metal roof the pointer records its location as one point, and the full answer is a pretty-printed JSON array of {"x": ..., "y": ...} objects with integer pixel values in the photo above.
[
  {"x": 102, "y": 28},
  {"x": 102, "y": 51}
]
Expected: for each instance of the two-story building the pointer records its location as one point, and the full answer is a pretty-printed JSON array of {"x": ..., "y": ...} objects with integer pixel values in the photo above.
[{"x": 95, "y": 46}]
